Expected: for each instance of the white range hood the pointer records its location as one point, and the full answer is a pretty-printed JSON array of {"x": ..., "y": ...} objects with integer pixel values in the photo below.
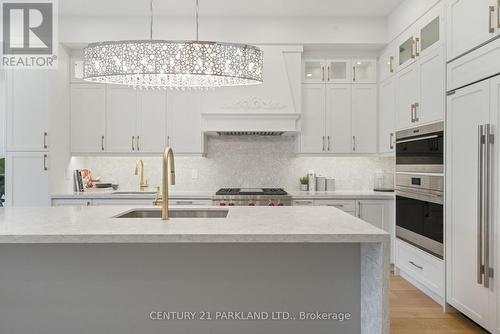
[
  {"x": 272, "y": 108},
  {"x": 251, "y": 123}
]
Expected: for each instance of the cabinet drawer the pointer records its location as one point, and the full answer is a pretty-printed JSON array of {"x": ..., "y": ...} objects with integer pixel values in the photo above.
[
  {"x": 423, "y": 267},
  {"x": 344, "y": 205},
  {"x": 71, "y": 202},
  {"x": 142, "y": 202},
  {"x": 303, "y": 202},
  {"x": 193, "y": 202}
]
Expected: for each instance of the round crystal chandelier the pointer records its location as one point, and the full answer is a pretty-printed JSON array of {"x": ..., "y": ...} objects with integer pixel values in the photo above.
[{"x": 173, "y": 64}]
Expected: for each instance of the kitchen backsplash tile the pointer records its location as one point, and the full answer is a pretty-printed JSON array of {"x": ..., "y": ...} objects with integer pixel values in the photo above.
[{"x": 242, "y": 162}]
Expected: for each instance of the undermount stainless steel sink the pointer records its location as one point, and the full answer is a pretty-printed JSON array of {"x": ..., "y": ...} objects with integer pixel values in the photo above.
[
  {"x": 133, "y": 193},
  {"x": 176, "y": 213}
]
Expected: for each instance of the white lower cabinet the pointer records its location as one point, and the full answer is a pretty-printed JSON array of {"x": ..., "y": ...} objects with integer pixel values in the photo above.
[
  {"x": 27, "y": 179},
  {"x": 423, "y": 270},
  {"x": 379, "y": 213},
  {"x": 71, "y": 202}
]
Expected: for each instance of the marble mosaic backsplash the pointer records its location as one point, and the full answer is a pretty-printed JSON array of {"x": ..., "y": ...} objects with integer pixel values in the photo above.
[{"x": 241, "y": 162}]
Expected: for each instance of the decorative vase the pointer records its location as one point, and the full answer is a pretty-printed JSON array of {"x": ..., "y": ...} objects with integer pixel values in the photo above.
[{"x": 304, "y": 187}]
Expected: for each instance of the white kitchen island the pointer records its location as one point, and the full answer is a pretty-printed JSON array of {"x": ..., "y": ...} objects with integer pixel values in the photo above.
[{"x": 259, "y": 270}]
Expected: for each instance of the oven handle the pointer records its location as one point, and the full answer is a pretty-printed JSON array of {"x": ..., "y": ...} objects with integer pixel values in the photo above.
[
  {"x": 415, "y": 139},
  {"x": 426, "y": 197}
]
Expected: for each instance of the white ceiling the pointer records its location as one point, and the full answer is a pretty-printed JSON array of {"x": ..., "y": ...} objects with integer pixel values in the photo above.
[{"x": 242, "y": 8}]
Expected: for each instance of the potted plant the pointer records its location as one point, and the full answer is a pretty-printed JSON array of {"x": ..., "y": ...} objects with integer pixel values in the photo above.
[{"x": 304, "y": 183}]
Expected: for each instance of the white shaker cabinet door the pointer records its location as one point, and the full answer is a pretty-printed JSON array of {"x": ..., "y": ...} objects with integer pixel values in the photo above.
[
  {"x": 28, "y": 98},
  {"x": 121, "y": 113},
  {"x": 27, "y": 179},
  {"x": 364, "y": 118},
  {"x": 88, "y": 118},
  {"x": 184, "y": 133},
  {"x": 312, "y": 137},
  {"x": 151, "y": 121},
  {"x": 467, "y": 109},
  {"x": 338, "y": 118},
  {"x": 469, "y": 24},
  {"x": 407, "y": 95},
  {"x": 431, "y": 103},
  {"x": 387, "y": 116}
]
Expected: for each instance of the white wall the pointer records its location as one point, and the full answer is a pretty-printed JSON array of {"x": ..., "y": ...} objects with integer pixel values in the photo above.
[
  {"x": 241, "y": 162},
  {"x": 405, "y": 15},
  {"x": 268, "y": 30}
]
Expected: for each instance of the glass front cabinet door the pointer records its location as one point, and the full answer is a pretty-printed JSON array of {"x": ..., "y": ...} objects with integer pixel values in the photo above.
[
  {"x": 430, "y": 31},
  {"x": 338, "y": 70},
  {"x": 314, "y": 71},
  {"x": 364, "y": 71}
]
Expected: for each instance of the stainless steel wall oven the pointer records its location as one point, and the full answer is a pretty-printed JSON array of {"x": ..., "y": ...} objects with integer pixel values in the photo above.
[{"x": 420, "y": 187}]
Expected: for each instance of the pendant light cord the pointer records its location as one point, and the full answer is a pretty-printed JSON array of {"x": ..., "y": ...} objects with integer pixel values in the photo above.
[
  {"x": 197, "y": 20},
  {"x": 151, "y": 21}
]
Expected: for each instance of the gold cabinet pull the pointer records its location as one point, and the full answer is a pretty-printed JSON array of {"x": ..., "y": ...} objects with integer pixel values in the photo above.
[{"x": 491, "y": 28}]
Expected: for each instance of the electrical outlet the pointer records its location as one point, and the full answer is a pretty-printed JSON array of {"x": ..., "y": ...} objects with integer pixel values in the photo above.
[{"x": 194, "y": 174}]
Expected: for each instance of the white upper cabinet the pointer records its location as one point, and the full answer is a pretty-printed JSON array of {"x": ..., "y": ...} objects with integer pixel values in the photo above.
[
  {"x": 364, "y": 71},
  {"x": 312, "y": 137},
  {"x": 364, "y": 118},
  {"x": 406, "y": 97},
  {"x": 469, "y": 24},
  {"x": 151, "y": 132},
  {"x": 431, "y": 104},
  {"x": 88, "y": 118},
  {"x": 421, "y": 91},
  {"x": 387, "y": 116},
  {"x": 338, "y": 71},
  {"x": 121, "y": 119},
  {"x": 387, "y": 62},
  {"x": 421, "y": 38},
  {"x": 184, "y": 122},
  {"x": 28, "y": 110},
  {"x": 313, "y": 71},
  {"x": 338, "y": 118}
]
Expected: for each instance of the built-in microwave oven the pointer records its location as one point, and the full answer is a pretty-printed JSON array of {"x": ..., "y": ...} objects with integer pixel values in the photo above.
[{"x": 420, "y": 149}]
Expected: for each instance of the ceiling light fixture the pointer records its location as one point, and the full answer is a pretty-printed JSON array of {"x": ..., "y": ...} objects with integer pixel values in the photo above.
[{"x": 173, "y": 64}]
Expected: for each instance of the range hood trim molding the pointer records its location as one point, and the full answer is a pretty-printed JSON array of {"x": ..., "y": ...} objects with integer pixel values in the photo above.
[{"x": 287, "y": 123}]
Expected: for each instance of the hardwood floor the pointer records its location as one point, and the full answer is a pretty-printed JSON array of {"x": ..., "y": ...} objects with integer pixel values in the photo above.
[{"x": 412, "y": 312}]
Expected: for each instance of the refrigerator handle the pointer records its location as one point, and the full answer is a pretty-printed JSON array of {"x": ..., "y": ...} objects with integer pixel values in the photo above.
[{"x": 488, "y": 141}]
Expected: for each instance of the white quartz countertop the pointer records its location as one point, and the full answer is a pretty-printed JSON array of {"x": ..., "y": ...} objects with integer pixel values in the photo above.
[
  {"x": 242, "y": 224},
  {"x": 344, "y": 194}
]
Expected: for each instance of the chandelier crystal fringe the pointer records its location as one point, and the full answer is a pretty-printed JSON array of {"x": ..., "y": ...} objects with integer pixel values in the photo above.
[{"x": 173, "y": 64}]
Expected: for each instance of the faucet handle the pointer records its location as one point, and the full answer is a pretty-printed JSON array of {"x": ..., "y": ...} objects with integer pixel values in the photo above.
[{"x": 157, "y": 200}]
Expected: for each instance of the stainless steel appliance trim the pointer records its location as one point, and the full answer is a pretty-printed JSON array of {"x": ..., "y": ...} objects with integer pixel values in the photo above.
[
  {"x": 425, "y": 196},
  {"x": 437, "y": 169},
  {"x": 424, "y": 243},
  {"x": 420, "y": 130},
  {"x": 415, "y": 139},
  {"x": 427, "y": 182},
  {"x": 480, "y": 206},
  {"x": 486, "y": 203}
]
